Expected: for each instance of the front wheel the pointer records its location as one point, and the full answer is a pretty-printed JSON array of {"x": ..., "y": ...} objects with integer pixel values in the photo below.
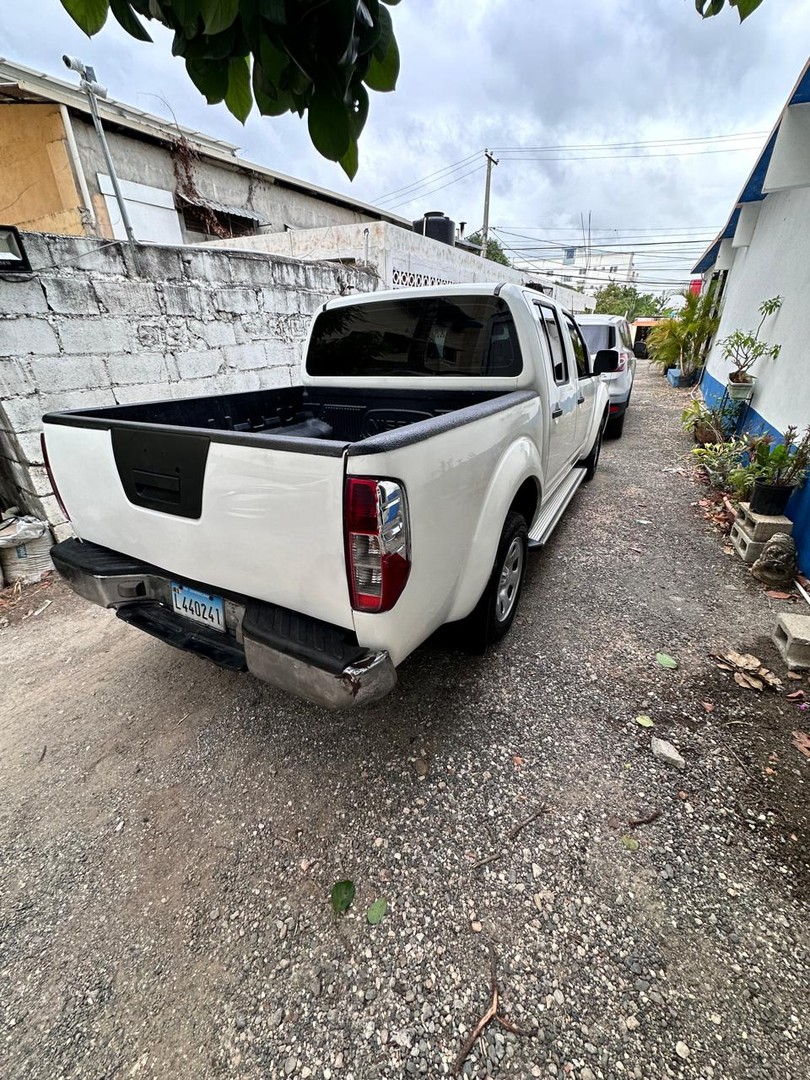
[{"x": 496, "y": 610}]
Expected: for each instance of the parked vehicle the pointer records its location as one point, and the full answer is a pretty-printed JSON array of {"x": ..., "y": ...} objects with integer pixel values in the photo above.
[
  {"x": 317, "y": 534},
  {"x": 613, "y": 332}
]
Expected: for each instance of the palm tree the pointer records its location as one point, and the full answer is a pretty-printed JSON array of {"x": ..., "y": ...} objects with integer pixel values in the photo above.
[{"x": 683, "y": 341}]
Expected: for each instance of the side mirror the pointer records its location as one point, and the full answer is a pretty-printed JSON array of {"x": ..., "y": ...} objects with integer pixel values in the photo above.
[
  {"x": 606, "y": 360},
  {"x": 640, "y": 350}
]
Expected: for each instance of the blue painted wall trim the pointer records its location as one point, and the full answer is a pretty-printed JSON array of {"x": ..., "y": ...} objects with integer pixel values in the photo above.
[{"x": 798, "y": 509}]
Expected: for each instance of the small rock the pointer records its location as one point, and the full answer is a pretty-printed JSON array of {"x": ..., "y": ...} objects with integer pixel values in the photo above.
[
  {"x": 290, "y": 1065},
  {"x": 558, "y": 997},
  {"x": 214, "y": 913},
  {"x": 421, "y": 766},
  {"x": 586, "y": 1074},
  {"x": 631, "y": 1023},
  {"x": 682, "y": 1050},
  {"x": 666, "y": 752},
  {"x": 241, "y": 1023},
  {"x": 476, "y": 927}
]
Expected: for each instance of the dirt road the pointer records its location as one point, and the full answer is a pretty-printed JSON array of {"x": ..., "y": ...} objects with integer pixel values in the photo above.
[{"x": 170, "y": 833}]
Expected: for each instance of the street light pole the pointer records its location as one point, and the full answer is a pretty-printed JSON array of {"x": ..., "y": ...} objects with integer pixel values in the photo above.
[
  {"x": 485, "y": 230},
  {"x": 87, "y": 81}
]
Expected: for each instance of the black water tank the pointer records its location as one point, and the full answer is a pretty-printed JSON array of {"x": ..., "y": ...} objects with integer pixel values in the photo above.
[{"x": 437, "y": 226}]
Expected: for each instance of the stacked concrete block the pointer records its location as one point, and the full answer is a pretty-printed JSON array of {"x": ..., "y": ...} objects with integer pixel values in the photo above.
[
  {"x": 751, "y": 532},
  {"x": 85, "y": 329}
]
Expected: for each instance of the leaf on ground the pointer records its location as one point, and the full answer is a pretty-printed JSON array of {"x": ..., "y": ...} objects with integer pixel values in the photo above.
[
  {"x": 776, "y": 595},
  {"x": 742, "y": 678},
  {"x": 708, "y": 706},
  {"x": 802, "y": 742},
  {"x": 342, "y": 896},
  {"x": 631, "y": 843},
  {"x": 795, "y": 676},
  {"x": 644, "y": 721},
  {"x": 665, "y": 660},
  {"x": 518, "y": 761},
  {"x": 768, "y": 676},
  {"x": 797, "y": 695},
  {"x": 744, "y": 661},
  {"x": 376, "y": 911}
]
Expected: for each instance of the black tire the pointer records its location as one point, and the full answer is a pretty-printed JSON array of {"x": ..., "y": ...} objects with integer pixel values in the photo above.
[
  {"x": 591, "y": 462},
  {"x": 615, "y": 427},
  {"x": 495, "y": 611}
]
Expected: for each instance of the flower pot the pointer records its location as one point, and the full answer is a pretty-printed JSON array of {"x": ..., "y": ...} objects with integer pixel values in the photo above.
[
  {"x": 741, "y": 391},
  {"x": 676, "y": 379},
  {"x": 770, "y": 499},
  {"x": 705, "y": 434}
]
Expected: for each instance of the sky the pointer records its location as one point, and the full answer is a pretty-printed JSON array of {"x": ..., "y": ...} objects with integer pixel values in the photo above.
[{"x": 514, "y": 75}]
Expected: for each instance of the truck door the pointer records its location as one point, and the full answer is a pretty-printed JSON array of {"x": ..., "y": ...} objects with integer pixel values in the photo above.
[
  {"x": 586, "y": 385},
  {"x": 562, "y": 443}
]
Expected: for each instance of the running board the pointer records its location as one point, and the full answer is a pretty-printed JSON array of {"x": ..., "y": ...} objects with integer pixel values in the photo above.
[{"x": 552, "y": 511}]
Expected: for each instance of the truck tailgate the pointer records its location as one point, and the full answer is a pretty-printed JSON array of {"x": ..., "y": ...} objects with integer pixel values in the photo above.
[{"x": 238, "y": 516}]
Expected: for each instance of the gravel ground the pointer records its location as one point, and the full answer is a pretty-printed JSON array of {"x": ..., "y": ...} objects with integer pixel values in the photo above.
[{"x": 169, "y": 833}]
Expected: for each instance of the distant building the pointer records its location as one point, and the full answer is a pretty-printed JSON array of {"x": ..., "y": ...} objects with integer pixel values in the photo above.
[
  {"x": 585, "y": 267},
  {"x": 764, "y": 251},
  {"x": 179, "y": 186}
]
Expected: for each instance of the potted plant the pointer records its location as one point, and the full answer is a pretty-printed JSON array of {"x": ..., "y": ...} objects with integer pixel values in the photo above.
[
  {"x": 678, "y": 344},
  {"x": 707, "y": 425},
  {"x": 778, "y": 470},
  {"x": 744, "y": 349}
]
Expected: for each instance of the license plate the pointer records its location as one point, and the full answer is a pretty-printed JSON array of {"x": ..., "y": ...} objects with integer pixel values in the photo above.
[{"x": 199, "y": 607}]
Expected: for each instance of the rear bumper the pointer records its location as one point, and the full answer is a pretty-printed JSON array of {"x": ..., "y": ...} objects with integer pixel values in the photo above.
[{"x": 301, "y": 655}]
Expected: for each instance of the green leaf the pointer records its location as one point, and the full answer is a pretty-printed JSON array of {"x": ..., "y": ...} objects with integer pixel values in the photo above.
[
  {"x": 342, "y": 896},
  {"x": 665, "y": 660},
  {"x": 275, "y": 11},
  {"x": 747, "y": 7},
  {"x": 350, "y": 161},
  {"x": 359, "y": 114},
  {"x": 631, "y": 843},
  {"x": 383, "y": 71},
  {"x": 328, "y": 122},
  {"x": 239, "y": 99},
  {"x": 89, "y": 15},
  {"x": 376, "y": 911},
  {"x": 123, "y": 12},
  {"x": 644, "y": 721},
  {"x": 218, "y": 14},
  {"x": 210, "y": 77}
]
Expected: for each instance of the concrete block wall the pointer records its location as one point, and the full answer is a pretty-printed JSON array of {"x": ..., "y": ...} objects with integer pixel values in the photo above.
[{"x": 85, "y": 329}]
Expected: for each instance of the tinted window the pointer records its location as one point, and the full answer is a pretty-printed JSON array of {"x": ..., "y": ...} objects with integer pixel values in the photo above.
[
  {"x": 580, "y": 351},
  {"x": 598, "y": 336},
  {"x": 551, "y": 332},
  {"x": 624, "y": 332},
  {"x": 459, "y": 335}
]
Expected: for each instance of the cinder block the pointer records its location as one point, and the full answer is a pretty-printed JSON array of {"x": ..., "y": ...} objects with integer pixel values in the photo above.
[
  {"x": 86, "y": 254},
  {"x": 63, "y": 532},
  {"x": 30, "y": 447},
  {"x": 141, "y": 367},
  {"x": 52, "y": 510},
  {"x": 39, "y": 481},
  {"x": 128, "y": 395},
  {"x": 199, "y": 363},
  {"x": 14, "y": 380},
  {"x": 25, "y": 413},
  {"x": 55, "y": 373},
  {"x": 237, "y": 301},
  {"x": 205, "y": 266},
  {"x": 761, "y": 527},
  {"x": 128, "y": 297},
  {"x": 746, "y": 548},
  {"x": 161, "y": 263},
  {"x": 214, "y": 332},
  {"x": 23, "y": 336},
  {"x": 792, "y": 637},
  {"x": 22, "y": 297},
  {"x": 71, "y": 296},
  {"x": 167, "y": 334},
  {"x": 182, "y": 300},
  {"x": 74, "y": 399},
  {"x": 99, "y": 335},
  {"x": 245, "y": 357}
]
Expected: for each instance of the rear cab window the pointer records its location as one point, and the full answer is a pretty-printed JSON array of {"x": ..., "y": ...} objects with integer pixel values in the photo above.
[
  {"x": 599, "y": 336},
  {"x": 552, "y": 335},
  {"x": 467, "y": 336}
]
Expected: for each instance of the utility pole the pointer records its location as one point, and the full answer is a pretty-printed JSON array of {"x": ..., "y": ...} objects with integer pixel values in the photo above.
[
  {"x": 93, "y": 89},
  {"x": 485, "y": 230}
]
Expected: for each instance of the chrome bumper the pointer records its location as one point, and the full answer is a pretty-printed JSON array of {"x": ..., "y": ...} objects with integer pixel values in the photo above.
[{"x": 367, "y": 679}]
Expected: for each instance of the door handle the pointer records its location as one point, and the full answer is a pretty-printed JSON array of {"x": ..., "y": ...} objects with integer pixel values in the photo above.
[
  {"x": 580, "y": 400},
  {"x": 556, "y": 412}
]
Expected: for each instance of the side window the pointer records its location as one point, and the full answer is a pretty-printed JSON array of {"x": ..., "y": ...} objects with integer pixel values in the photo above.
[
  {"x": 550, "y": 329},
  {"x": 625, "y": 335},
  {"x": 580, "y": 351}
]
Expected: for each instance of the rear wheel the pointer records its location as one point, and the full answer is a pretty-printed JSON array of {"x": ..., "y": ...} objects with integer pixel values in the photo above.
[
  {"x": 615, "y": 427},
  {"x": 496, "y": 610}
]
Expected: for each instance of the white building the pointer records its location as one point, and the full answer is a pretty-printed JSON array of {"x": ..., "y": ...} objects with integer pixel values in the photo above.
[
  {"x": 401, "y": 258},
  {"x": 585, "y": 267},
  {"x": 764, "y": 251}
]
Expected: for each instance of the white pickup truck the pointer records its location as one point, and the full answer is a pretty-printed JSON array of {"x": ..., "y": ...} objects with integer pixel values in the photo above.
[{"x": 317, "y": 534}]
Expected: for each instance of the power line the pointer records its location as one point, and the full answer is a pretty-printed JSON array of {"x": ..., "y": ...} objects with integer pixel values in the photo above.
[
  {"x": 432, "y": 191},
  {"x": 732, "y": 136},
  {"x": 426, "y": 179},
  {"x": 617, "y": 157}
]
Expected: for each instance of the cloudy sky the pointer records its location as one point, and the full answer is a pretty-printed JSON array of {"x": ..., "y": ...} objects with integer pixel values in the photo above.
[{"x": 515, "y": 75}]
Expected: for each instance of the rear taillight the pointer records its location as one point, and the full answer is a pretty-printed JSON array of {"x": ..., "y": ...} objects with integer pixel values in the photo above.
[
  {"x": 62, "y": 506},
  {"x": 377, "y": 543}
]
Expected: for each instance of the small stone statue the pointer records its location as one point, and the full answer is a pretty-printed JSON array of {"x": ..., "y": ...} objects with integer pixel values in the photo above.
[{"x": 777, "y": 563}]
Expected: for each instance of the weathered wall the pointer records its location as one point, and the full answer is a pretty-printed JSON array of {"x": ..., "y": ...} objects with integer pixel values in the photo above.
[
  {"x": 85, "y": 330},
  {"x": 401, "y": 258},
  {"x": 144, "y": 162},
  {"x": 37, "y": 186}
]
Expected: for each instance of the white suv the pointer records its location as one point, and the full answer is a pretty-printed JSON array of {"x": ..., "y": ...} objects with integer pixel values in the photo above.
[{"x": 612, "y": 332}]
